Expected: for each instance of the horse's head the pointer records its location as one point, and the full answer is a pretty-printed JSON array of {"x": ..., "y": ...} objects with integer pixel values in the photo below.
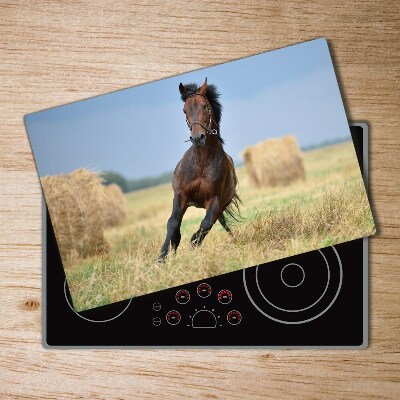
[{"x": 199, "y": 114}]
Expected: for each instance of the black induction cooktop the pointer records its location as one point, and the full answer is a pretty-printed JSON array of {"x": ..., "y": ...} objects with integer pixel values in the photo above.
[{"x": 315, "y": 299}]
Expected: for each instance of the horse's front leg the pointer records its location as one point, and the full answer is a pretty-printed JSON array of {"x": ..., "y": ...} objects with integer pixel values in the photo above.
[
  {"x": 173, "y": 226},
  {"x": 212, "y": 214}
]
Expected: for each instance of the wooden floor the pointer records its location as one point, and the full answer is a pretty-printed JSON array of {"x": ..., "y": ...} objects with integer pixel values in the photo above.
[{"x": 52, "y": 53}]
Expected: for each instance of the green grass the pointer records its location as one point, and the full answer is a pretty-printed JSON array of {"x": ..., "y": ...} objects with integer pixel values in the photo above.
[{"x": 329, "y": 207}]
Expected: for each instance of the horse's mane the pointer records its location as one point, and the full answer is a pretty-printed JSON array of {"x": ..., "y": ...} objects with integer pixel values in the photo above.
[{"x": 212, "y": 95}]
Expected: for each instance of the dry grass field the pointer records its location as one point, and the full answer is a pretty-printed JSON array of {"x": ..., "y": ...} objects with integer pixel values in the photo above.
[{"x": 328, "y": 207}]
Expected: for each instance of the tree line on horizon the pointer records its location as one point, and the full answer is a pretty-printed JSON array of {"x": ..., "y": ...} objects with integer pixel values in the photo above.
[{"x": 131, "y": 185}]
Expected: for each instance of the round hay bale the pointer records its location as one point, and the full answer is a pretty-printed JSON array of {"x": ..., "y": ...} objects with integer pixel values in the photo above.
[
  {"x": 274, "y": 162},
  {"x": 114, "y": 206},
  {"x": 75, "y": 203}
]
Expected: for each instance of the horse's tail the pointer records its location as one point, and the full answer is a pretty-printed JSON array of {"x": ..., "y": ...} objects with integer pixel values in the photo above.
[{"x": 231, "y": 212}]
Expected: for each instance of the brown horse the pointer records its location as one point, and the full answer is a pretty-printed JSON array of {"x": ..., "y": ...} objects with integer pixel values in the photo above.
[{"x": 205, "y": 176}]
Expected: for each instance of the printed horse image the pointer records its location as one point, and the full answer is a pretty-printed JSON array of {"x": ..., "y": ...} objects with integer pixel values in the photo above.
[{"x": 205, "y": 177}]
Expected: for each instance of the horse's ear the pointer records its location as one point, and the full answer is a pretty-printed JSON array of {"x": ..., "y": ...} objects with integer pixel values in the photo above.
[
  {"x": 203, "y": 88},
  {"x": 182, "y": 89}
]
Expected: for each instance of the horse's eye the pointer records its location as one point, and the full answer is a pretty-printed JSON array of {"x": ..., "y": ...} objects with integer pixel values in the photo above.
[{"x": 184, "y": 111}]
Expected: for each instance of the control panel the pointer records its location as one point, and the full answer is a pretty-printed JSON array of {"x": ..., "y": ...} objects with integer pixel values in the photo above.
[{"x": 205, "y": 308}]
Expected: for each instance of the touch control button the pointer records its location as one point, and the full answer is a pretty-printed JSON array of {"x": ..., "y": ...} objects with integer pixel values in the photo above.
[
  {"x": 156, "y": 321},
  {"x": 225, "y": 296},
  {"x": 173, "y": 317},
  {"x": 234, "y": 317},
  {"x": 156, "y": 306},
  {"x": 204, "y": 290},
  {"x": 182, "y": 296}
]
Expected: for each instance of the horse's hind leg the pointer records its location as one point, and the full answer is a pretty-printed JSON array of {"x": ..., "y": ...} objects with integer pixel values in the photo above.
[
  {"x": 173, "y": 227},
  {"x": 222, "y": 221},
  {"x": 212, "y": 214}
]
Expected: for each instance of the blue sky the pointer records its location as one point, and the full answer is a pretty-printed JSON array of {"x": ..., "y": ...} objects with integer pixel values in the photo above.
[{"x": 141, "y": 131}]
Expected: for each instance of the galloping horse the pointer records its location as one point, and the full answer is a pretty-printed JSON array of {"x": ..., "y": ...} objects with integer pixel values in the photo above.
[{"x": 205, "y": 176}]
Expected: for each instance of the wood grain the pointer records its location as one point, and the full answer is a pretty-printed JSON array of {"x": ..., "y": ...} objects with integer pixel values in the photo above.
[{"x": 54, "y": 52}]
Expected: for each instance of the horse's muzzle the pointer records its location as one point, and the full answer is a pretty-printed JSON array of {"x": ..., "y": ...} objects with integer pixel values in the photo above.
[{"x": 199, "y": 141}]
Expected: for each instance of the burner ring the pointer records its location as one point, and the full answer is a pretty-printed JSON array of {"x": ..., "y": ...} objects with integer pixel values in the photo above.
[
  {"x": 322, "y": 304},
  {"x": 302, "y": 271},
  {"x": 299, "y": 309},
  {"x": 89, "y": 319}
]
